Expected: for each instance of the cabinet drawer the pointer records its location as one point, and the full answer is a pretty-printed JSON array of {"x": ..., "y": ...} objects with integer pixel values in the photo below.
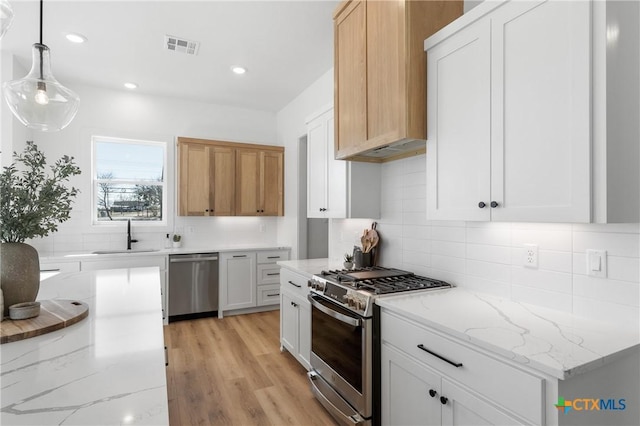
[
  {"x": 269, "y": 294},
  {"x": 272, "y": 256},
  {"x": 268, "y": 274},
  {"x": 512, "y": 388},
  {"x": 294, "y": 283},
  {"x": 129, "y": 262}
]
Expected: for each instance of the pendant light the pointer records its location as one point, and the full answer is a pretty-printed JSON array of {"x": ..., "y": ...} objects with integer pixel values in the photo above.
[
  {"x": 6, "y": 16},
  {"x": 38, "y": 100}
]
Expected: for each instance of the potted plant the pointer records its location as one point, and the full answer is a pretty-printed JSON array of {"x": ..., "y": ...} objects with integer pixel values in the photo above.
[
  {"x": 177, "y": 240},
  {"x": 348, "y": 261},
  {"x": 32, "y": 204}
]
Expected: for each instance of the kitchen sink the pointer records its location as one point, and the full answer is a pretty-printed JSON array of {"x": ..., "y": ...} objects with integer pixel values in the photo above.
[{"x": 124, "y": 251}]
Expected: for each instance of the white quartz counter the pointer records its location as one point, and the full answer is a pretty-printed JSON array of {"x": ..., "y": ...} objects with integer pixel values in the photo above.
[
  {"x": 309, "y": 267},
  {"x": 107, "y": 369},
  {"x": 160, "y": 252},
  {"x": 556, "y": 343}
]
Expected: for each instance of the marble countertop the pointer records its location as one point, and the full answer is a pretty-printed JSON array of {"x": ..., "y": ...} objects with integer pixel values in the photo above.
[
  {"x": 553, "y": 342},
  {"x": 309, "y": 267},
  {"x": 107, "y": 369},
  {"x": 159, "y": 252}
]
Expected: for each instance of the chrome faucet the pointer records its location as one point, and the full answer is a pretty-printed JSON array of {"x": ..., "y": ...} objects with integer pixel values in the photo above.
[{"x": 129, "y": 240}]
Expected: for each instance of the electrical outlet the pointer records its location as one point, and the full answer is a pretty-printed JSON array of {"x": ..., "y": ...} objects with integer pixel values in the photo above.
[
  {"x": 530, "y": 259},
  {"x": 262, "y": 227}
]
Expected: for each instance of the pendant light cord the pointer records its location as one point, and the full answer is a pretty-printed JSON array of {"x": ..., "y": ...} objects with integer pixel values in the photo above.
[
  {"x": 41, "y": 49},
  {"x": 41, "y": 1}
]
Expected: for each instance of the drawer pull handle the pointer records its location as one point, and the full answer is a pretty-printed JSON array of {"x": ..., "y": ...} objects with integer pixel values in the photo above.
[
  {"x": 455, "y": 364},
  {"x": 240, "y": 255},
  {"x": 294, "y": 284},
  {"x": 432, "y": 393},
  {"x": 273, "y": 295},
  {"x": 444, "y": 400},
  {"x": 273, "y": 257},
  {"x": 274, "y": 273}
]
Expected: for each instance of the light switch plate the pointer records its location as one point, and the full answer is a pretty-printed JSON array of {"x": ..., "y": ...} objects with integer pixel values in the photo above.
[{"x": 597, "y": 263}]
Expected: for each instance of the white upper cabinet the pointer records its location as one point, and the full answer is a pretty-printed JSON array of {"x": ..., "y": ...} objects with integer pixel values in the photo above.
[
  {"x": 459, "y": 133},
  {"x": 512, "y": 110},
  {"x": 337, "y": 188}
]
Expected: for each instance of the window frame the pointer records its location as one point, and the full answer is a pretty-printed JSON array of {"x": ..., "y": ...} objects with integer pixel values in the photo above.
[{"x": 164, "y": 223}]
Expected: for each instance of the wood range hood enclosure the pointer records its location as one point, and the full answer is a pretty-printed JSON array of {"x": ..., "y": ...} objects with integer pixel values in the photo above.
[{"x": 380, "y": 75}]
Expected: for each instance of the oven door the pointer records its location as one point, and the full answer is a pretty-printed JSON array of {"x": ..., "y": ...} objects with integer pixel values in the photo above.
[{"x": 341, "y": 351}]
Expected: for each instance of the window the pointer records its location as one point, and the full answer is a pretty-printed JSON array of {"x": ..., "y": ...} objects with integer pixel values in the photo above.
[{"x": 129, "y": 181}]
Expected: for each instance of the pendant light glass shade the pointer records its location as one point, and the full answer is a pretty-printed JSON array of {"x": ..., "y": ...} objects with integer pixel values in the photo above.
[
  {"x": 38, "y": 100},
  {"x": 6, "y": 16}
]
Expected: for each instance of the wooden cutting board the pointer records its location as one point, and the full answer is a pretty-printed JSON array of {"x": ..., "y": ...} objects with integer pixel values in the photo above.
[{"x": 54, "y": 315}]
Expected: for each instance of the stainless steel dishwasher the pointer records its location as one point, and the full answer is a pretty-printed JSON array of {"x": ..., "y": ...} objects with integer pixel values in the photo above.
[{"x": 193, "y": 285}]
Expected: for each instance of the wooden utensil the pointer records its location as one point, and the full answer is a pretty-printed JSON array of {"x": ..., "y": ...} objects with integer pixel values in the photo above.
[
  {"x": 364, "y": 240},
  {"x": 373, "y": 235}
]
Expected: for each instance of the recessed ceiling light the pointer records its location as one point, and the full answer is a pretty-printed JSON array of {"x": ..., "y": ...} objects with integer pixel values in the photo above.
[
  {"x": 131, "y": 86},
  {"x": 238, "y": 70},
  {"x": 76, "y": 38}
]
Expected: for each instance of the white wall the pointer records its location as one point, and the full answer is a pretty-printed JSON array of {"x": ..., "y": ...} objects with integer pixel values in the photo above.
[
  {"x": 488, "y": 256},
  {"x": 291, "y": 126},
  {"x": 131, "y": 115},
  {"x": 10, "y": 127}
]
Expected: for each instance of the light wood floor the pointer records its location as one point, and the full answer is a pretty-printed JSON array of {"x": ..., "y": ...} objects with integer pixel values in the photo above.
[{"x": 231, "y": 372}]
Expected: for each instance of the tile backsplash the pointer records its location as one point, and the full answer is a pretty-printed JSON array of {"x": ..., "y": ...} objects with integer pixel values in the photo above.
[
  {"x": 489, "y": 256},
  {"x": 197, "y": 232}
]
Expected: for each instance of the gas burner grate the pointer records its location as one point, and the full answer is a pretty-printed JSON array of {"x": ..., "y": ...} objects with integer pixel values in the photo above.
[{"x": 399, "y": 284}]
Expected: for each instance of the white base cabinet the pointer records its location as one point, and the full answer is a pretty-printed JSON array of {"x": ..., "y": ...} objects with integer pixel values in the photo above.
[
  {"x": 295, "y": 317},
  {"x": 237, "y": 281},
  {"x": 457, "y": 386},
  {"x": 414, "y": 394},
  {"x": 249, "y": 280},
  {"x": 432, "y": 378}
]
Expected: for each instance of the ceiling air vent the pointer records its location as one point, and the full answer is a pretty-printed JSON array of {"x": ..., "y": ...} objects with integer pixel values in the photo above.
[{"x": 180, "y": 45}]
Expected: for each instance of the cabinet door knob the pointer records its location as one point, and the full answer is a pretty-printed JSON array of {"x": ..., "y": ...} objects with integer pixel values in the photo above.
[
  {"x": 482, "y": 204},
  {"x": 444, "y": 400},
  {"x": 432, "y": 393},
  {"x": 494, "y": 204}
]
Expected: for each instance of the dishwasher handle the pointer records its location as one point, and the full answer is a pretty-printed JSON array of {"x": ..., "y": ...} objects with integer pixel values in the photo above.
[{"x": 192, "y": 259}]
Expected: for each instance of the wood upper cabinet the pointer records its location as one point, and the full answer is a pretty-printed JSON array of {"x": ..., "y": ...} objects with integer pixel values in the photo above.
[
  {"x": 194, "y": 180},
  {"x": 260, "y": 182},
  {"x": 380, "y": 68},
  {"x": 218, "y": 178},
  {"x": 272, "y": 183},
  {"x": 207, "y": 174}
]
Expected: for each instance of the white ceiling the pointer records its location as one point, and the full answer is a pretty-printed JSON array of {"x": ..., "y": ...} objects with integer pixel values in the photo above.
[{"x": 285, "y": 45}]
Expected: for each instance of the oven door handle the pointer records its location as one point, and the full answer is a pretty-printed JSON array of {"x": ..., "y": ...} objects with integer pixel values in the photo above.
[{"x": 355, "y": 322}]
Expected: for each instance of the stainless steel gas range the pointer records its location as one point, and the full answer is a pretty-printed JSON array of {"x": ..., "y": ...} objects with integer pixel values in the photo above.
[{"x": 343, "y": 330}]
